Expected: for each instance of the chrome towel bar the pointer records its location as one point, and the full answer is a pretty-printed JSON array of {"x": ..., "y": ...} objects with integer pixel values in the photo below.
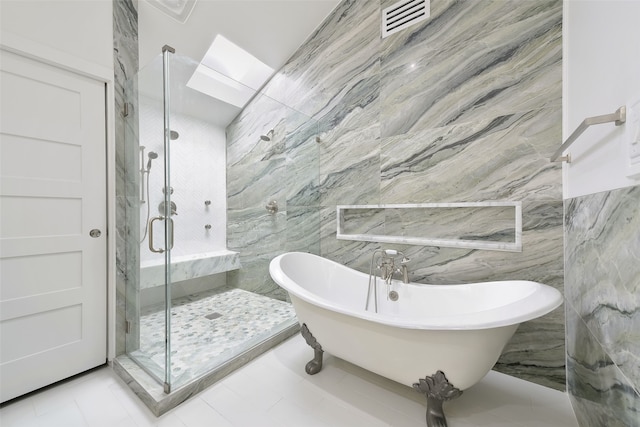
[{"x": 619, "y": 117}]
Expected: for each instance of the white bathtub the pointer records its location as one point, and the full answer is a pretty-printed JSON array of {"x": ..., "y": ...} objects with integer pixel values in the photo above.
[{"x": 460, "y": 330}]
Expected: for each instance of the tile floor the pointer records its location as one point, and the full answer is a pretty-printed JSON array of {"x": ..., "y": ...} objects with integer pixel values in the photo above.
[
  {"x": 238, "y": 320},
  {"x": 273, "y": 390}
]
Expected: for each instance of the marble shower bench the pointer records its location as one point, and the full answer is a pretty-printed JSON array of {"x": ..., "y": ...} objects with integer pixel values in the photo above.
[{"x": 188, "y": 267}]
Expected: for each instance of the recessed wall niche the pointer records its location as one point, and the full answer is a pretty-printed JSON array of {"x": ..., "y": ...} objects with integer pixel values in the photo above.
[{"x": 476, "y": 225}]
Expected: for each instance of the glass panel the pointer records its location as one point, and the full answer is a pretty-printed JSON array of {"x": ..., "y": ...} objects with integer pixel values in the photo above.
[
  {"x": 168, "y": 210},
  {"x": 221, "y": 300},
  {"x": 145, "y": 297}
]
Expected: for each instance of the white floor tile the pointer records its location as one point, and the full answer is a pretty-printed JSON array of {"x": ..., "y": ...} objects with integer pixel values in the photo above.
[
  {"x": 19, "y": 413},
  {"x": 274, "y": 391},
  {"x": 136, "y": 409},
  {"x": 64, "y": 416},
  {"x": 305, "y": 395},
  {"x": 238, "y": 410},
  {"x": 338, "y": 413},
  {"x": 50, "y": 399},
  {"x": 291, "y": 415},
  {"x": 169, "y": 420},
  {"x": 197, "y": 413}
]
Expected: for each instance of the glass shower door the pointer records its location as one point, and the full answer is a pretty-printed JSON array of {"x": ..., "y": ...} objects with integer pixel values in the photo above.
[
  {"x": 201, "y": 298},
  {"x": 169, "y": 211},
  {"x": 148, "y": 299}
]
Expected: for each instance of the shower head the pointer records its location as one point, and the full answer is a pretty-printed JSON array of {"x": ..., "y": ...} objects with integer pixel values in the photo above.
[
  {"x": 152, "y": 155},
  {"x": 268, "y": 136}
]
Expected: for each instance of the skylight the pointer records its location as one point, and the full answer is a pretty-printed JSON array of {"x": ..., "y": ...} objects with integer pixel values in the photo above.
[
  {"x": 229, "y": 73},
  {"x": 180, "y": 10}
]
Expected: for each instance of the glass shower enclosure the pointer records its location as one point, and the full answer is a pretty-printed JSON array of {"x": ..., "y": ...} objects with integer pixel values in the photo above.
[{"x": 202, "y": 299}]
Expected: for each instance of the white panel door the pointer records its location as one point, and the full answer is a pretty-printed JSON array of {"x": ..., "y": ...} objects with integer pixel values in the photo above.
[{"x": 52, "y": 194}]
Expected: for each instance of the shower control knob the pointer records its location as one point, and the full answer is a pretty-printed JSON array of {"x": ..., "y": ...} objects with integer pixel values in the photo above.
[
  {"x": 272, "y": 207},
  {"x": 95, "y": 233}
]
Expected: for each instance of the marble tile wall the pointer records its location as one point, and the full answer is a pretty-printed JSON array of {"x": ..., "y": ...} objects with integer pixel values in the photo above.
[
  {"x": 125, "y": 56},
  {"x": 463, "y": 107},
  {"x": 284, "y": 170},
  {"x": 602, "y": 289}
]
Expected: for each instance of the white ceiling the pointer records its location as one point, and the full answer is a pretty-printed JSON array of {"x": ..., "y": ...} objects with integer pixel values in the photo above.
[{"x": 271, "y": 30}]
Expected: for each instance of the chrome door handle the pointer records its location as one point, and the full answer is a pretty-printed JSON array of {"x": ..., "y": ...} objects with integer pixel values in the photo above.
[
  {"x": 171, "y": 236},
  {"x": 151, "y": 248},
  {"x": 95, "y": 233}
]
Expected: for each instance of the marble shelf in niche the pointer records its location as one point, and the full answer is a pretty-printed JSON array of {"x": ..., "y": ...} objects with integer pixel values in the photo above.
[
  {"x": 490, "y": 225},
  {"x": 188, "y": 267}
]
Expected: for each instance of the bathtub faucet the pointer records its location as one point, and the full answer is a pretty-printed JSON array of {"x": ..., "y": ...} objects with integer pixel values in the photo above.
[
  {"x": 388, "y": 265},
  {"x": 387, "y": 269}
]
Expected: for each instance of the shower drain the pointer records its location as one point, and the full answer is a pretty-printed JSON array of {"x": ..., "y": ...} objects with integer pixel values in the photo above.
[{"x": 212, "y": 316}]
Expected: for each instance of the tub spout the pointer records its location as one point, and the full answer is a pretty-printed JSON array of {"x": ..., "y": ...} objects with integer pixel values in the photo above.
[
  {"x": 387, "y": 270},
  {"x": 388, "y": 266}
]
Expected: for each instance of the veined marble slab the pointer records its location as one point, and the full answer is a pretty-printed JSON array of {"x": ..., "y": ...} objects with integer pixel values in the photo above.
[
  {"x": 125, "y": 58},
  {"x": 497, "y": 158},
  {"x": 336, "y": 64},
  {"x": 600, "y": 392},
  {"x": 475, "y": 118},
  {"x": 602, "y": 240},
  {"x": 472, "y": 60},
  {"x": 189, "y": 267}
]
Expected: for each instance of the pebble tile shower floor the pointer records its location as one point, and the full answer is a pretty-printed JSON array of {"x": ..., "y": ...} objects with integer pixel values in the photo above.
[{"x": 207, "y": 329}]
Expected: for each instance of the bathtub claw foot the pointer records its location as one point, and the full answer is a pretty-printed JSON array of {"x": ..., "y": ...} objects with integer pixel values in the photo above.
[
  {"x": 315, "y": 365},
  {"x": 437, "y": 389}
]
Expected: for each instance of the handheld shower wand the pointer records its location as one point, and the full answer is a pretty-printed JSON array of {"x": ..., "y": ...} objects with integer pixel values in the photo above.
[{"x": 152, "y": 155}]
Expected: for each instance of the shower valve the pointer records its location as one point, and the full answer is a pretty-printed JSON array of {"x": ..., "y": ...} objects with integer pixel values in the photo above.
[{"x": 272, "y": 207}]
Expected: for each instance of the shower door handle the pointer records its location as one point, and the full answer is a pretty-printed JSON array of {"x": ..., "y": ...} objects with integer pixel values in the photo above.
[
  {"x": 151, "y": 248},
  {"x": 171, "y": 236}
]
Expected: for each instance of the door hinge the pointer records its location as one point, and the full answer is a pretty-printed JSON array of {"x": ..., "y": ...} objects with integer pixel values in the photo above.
[
  {"x": 125, "y": 110},
  {"x": 127, "y": 327}
]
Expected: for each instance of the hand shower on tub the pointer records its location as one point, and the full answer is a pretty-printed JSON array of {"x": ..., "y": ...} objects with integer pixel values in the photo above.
[{"x": 387, "y": 266}]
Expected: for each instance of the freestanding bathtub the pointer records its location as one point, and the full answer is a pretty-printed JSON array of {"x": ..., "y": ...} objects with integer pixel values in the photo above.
[{"x": 440, "y": 339}]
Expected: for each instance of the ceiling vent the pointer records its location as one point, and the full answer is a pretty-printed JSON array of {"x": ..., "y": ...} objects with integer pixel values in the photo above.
[{"x": 404, "y": 14}]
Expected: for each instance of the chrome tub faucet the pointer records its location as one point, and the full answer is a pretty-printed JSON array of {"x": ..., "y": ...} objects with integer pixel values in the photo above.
[{"x": 388, "y": 267}]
